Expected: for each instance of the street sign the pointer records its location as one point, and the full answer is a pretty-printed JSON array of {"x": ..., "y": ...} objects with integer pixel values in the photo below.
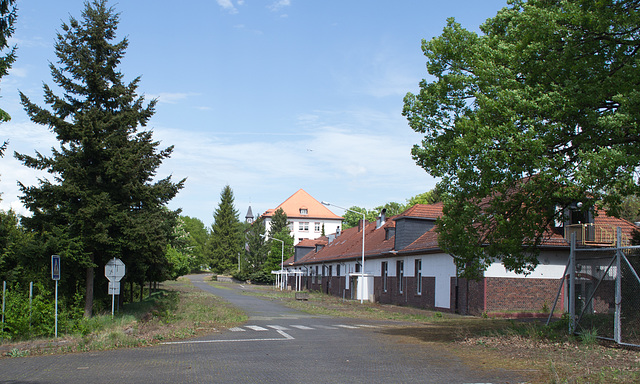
[
  {"x": 114, "y": 270},
  {"x": 114, "y": 287},
  {"x": 55, "y": 267}
]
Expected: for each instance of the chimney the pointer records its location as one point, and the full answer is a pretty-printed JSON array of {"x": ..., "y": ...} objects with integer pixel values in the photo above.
[
  {"x": 361, "y": 225},
  {"x": 381, "y": 219}
]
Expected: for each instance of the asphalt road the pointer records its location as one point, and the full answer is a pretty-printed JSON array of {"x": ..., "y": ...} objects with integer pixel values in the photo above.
[{"x": 276, "y": 345}]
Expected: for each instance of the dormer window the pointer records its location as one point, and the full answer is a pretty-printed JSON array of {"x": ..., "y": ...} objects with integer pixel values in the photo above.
[
  {"x": 304, "y": 211},
  {"x": 389, "y": 233}
]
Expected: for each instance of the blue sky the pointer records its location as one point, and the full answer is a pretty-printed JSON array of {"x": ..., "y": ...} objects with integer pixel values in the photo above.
[{"x": 265, "y": 96}]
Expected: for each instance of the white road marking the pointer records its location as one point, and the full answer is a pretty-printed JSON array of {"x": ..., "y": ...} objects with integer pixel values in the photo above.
[
  {"x": 278, "y": 327},
  {"x": 256, "y": 328},
  {"x": 325, "y": 327},
  {"x": 346, "y": 326},
  {"x": 237, "y": 329},
  {"x": 304, "y": 327},
  {"x": 285, "y": 336}
]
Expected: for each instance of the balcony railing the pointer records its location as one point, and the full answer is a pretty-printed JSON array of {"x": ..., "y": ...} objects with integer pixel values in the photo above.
[{"x": 590, "y": 234}]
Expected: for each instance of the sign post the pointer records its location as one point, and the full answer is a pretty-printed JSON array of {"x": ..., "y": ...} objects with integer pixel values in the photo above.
[
  {"x": 114, "y": 271},
  {"x": 55, "y": 275}
]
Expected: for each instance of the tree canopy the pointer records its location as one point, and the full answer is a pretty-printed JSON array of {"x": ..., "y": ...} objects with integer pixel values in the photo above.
[
  {"x": 103, "y": 201},
  {"x": 537, "y": 112}
]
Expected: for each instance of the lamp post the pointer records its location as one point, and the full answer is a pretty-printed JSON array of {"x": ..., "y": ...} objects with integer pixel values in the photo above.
[
  {"x": 363, "y": 225},
  {"x": 281, "y": 260}
]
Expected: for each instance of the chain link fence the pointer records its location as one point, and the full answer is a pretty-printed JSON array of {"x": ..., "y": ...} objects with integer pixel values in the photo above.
[{"x": 605, "y": 288}]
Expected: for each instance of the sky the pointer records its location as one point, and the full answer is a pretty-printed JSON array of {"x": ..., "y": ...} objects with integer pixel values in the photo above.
[{"x": 266, "y": 96}]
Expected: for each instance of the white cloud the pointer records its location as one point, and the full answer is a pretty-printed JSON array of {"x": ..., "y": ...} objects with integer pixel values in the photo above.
[
  {"x": 18, "y": 71},
  {"x": 169, "y": 97},
  {"x": 279, "y": 4},
  {"x": 358, "y": 157},
  {"x": 227, "y": 5}
]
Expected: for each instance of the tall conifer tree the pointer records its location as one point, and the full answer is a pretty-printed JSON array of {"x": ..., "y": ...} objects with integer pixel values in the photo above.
[
  {"x": 103, "y": 201},
  {"x": 226, "y": 234},
  {"x": 279, "y": 221},
  {"x": 7, "y": 20}
]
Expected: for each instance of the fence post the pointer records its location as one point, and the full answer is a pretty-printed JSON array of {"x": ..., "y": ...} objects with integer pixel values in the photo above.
[
  {"x": 572, "y": 285},
  {"x": 4, "y": 290},
  {"x": 617, "y": 325}
]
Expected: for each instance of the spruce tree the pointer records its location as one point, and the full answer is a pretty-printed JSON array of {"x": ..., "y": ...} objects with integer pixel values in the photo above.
[
  {"x": 7, "y": 20},
  {"x": 226, "y": 234},
  {"x": 279, "y": 221},
  {"x": 102, "y": 201}
]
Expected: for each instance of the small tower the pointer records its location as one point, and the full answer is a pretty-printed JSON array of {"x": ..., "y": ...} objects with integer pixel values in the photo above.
[{"x": 249, "y": 216}]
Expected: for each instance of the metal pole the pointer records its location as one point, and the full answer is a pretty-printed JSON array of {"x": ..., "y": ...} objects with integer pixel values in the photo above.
[
  {"x": 4, "y": 291},
  {"x": 572, "y": 285},
  {"x": 56, "y": 326},
  {"x": 617, "y": 324},
  {"x": 30, "y": 301},
  {"x": 364, "y": 222}
]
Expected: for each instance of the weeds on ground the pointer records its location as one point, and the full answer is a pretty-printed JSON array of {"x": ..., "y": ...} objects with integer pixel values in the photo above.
[{"x": 176, "y": 311}]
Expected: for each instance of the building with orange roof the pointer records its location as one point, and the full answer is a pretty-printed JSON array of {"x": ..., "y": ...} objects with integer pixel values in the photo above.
[
  {"x": 308, "y": 218},
  {"x": 408, "y": 267}
]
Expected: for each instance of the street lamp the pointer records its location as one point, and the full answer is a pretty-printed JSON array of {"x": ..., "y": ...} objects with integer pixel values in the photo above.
[
  {"x": 363, "y": 225},
  {"x": 282, "y": 260}
]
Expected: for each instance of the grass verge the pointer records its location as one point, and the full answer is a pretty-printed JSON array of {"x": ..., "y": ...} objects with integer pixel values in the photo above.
[{"x": 176, "y": 311}]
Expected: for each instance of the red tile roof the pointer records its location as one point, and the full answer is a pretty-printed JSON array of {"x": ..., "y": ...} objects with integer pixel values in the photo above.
[
  {"x": 349, "y": 244},
  {"x": 303, "y": 200},
  {"x": 429, "y": 211}
]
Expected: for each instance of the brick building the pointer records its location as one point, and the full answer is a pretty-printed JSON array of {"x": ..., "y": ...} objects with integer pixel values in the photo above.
[{"x": 407, "y": 266}]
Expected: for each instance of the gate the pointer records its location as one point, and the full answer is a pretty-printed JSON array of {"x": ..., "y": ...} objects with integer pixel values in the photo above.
[{"x": 603, "y": 291}]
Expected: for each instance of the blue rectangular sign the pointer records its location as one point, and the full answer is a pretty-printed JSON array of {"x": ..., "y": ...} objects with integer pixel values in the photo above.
[{"x": 55, "y": 267}]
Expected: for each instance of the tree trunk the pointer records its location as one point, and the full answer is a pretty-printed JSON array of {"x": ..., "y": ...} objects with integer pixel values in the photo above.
[
  {"x": 88, "y": 300},
  {"x": 141, "y": 291}
]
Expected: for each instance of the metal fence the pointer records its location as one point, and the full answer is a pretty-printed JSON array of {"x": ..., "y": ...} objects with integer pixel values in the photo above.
[{"x": 603, "y": 291}]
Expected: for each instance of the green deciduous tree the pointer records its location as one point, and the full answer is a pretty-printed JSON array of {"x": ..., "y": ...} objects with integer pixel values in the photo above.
[
  {"x": 257, "y": 247},
  {"x": 351, "y": 219},
  {"x": 197, "y": 237},
  {"x": 539, "y": 111},
  {"x": 226, "y": 234},
  {"x": 278, "y": 250},
  {"x": 430, "y": 197},
  {"x": 103, "y": 201}
]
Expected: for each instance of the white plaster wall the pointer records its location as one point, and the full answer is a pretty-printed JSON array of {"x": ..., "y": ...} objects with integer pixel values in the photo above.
[
  {"x": 330, "y": 226},
  {"x": 442, "y": 267},
  {"x": 552, "y": 265}
]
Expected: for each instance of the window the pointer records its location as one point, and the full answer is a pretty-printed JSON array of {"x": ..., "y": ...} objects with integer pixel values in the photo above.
[
  {"x": 400, "y": 274},
  {"x": 304, "y": 226},
  {"x": 330, "y": 273},
  {"x": 338, "y": 270},
  {"x": 304, "y": 211},
  {"x": 318, "y": 227},
  {"x": 418, "y": 276},
  {"x": 357, "y": 267},
  {"x": 385, "y": 273}
]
